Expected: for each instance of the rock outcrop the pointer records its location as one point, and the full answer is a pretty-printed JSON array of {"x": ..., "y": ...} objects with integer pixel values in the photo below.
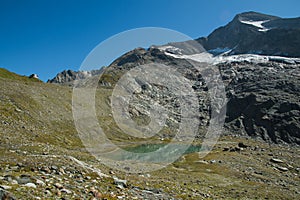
[{"x": 67, "y": 77}]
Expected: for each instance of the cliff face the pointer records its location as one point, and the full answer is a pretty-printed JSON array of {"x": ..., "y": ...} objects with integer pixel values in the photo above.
[
  {"x": 256, "y": 33},
  {"x": 262, "y": 91}
]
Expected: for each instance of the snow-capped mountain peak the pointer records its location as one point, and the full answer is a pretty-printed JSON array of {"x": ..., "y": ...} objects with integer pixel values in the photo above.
[{"x": 256, "y": 33}]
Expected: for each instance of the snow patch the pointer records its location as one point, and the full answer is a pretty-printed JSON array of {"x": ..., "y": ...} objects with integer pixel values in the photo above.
[
  {"x": 170, "y": 49},
  {"x": 220, "y": 50},
  {"x": 257, "y": 24},
  {"x": 200, "y": 57},
  {"x": 177, "y": 53},
  {"x": 255, "y": 59},
  {"x": 163, "y": 48},
  {"x": 208, "y": 57}
]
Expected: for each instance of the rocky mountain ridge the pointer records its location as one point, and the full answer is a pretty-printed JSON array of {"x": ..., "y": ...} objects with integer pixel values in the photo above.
[
  {"x": 256, "y": 33},
  {"x": 248, "y": 33},
  {"x": 262, "y": 90},
  {"x": 67, "y": 77}
]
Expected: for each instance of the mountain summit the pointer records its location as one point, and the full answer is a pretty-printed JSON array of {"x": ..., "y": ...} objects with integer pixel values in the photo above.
[
  {"x": 262, "y": 90},
  {"x": 247, "y": 33},
  {"x": 256, "y": 33}
]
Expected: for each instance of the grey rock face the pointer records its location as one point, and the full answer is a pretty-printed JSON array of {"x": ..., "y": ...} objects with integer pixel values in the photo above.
[
  {"x": 67, "y": 77},
  {"x": 156, "y": 94},
  {"x": 263, "y": 100},
  {"x": 256, "y": 33},
  {"x": 263, "y": 96}
]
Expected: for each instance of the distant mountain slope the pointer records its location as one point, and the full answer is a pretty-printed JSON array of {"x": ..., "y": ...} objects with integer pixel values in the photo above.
[
  {"x": 262, "y": 91},
  {"x": 247, "y": 33},
  {"x": 256, "y": 33},
  {"x": 34, "y": 110},
  {"x": 10, "y": 75},
  {"x": 67, "y": 77}
]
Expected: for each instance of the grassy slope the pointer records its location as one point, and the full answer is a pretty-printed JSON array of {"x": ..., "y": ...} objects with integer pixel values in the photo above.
[
  {"x": 13, "y": 76},
  {"x": 36, "y": 119},
  {"x": 36, "y": 111}
]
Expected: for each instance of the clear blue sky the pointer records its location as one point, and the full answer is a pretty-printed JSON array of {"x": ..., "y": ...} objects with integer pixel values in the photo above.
[{"x": 48, "y": 36}]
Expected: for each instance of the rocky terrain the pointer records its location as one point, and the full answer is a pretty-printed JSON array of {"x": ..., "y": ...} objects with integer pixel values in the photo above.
[
  {"x": 262, "y": 91},
  {"x": 42, "y": 156},
  {"x": 267, "y": 96}
]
